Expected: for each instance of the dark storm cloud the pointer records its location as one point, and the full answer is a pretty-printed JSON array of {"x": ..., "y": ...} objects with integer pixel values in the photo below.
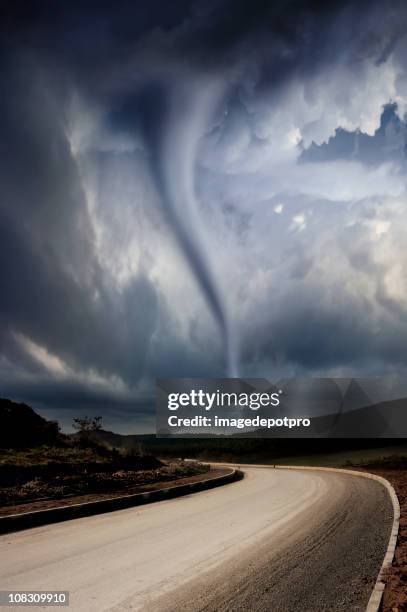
[
  {"x": 320, "y": 329},
  {"x": 316, "y": 314},
  {"x": 48, "y": 269},
  {"x": 91, "y": 40},
  {"x": 65, "y": 401},
  {"x": 126, "y": 60}
]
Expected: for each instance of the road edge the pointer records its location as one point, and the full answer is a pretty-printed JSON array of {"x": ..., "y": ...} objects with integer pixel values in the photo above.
[
  {"x": 37, "y": 518},
  {"x": 375, "y": 600}
]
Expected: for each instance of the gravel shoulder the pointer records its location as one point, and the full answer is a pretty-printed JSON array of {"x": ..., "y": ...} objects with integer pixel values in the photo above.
[{"x": 395, "y": 593}]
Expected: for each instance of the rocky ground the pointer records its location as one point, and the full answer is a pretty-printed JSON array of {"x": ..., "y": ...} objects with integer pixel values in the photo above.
[{"x": 395, "y": 594}]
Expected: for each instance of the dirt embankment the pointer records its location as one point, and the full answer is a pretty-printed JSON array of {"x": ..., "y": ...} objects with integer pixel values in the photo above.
[
  {"x": 395, "y": 593},
  {"x": 178, "y": 479},
  {"x": 49, "y": 489}
]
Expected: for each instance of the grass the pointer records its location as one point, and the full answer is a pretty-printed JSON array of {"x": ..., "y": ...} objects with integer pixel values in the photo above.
[
  {"x": 69, "y": 470},
  {"x": 44, "y": 455},
  {"x": 83, "y": 483}
]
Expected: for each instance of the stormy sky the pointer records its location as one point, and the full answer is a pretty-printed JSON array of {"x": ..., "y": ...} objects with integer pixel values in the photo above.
[{"x": 198, "y": 188}]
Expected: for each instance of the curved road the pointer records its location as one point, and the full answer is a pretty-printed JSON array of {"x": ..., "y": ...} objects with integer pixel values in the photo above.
[{"x": 277, "y": 541}]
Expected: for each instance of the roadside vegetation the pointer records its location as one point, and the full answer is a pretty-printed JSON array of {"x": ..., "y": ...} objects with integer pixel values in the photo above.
[{"x": 43, "y": 465}]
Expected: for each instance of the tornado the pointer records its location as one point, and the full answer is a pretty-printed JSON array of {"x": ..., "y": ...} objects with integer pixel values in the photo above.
[{"x": 175, "y": 117}]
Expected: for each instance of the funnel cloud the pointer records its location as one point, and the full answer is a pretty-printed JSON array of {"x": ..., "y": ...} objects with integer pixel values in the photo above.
[{"x": 172, "y": 135}]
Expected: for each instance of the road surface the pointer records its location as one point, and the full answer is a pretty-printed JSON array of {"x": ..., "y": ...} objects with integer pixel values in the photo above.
[{"x": 277, "y": 541}]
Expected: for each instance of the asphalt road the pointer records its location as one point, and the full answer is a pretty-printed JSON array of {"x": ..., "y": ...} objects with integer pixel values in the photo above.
[{"x": 278, "y": 541}]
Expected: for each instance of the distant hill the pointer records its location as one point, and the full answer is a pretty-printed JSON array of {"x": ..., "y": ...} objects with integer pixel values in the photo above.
[
  {"x": 244, "y": 448},
  {"x": 384, "y": 420},
  {"x": 22, "y": 427}
]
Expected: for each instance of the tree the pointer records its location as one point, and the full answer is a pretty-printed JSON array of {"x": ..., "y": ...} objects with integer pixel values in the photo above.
[{"x": 86, "y": 426}]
